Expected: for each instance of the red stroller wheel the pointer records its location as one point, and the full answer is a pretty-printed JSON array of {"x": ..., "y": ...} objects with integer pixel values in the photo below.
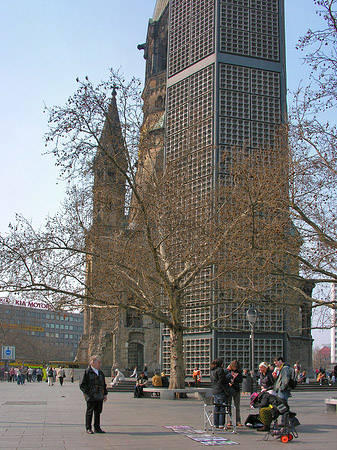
[{"x": 284, "y": 438}]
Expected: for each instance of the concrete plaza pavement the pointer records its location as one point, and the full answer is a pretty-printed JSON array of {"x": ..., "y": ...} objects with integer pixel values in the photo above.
[{"x": 52, "y": 417}]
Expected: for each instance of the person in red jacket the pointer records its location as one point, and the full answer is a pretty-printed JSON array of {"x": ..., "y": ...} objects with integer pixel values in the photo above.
[{"x": 197, "y": 376}]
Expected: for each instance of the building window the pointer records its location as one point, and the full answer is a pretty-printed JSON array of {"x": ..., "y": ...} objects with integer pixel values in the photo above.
[{"x": 133, "y": 319}]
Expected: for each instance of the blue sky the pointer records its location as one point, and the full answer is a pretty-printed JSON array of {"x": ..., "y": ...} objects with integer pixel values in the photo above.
[{"x": 44, "y": 46}]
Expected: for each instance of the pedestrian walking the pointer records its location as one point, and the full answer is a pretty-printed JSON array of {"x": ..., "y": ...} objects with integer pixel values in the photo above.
[
  {"x": 50, "y": 376},
  {"x": 61, "y": 375}
]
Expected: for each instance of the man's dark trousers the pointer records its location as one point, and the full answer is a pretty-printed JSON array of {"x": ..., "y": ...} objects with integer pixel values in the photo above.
[{"x": 93, "y": 407}]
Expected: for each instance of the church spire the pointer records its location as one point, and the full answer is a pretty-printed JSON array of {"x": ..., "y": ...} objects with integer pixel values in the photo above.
[
  {"x": 109, "y": 164},
  {"x": 112, "y": 141}
]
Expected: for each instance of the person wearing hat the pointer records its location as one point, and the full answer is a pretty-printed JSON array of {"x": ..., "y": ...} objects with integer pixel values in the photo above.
[
  {"x": 266, "y": 378},
  {"x": 164, "y": 380},
  {"x": 268, "y": 405}
]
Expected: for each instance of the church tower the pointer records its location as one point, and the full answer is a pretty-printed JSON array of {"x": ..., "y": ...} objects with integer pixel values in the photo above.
[
  {"x": 109, "y": 182},
  {"x": 122, "y": 338},
  {"x": 108, "y": 219}
]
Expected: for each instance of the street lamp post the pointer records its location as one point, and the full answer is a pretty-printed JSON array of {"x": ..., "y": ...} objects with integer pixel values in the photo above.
[{"x": 252, "y": 316}]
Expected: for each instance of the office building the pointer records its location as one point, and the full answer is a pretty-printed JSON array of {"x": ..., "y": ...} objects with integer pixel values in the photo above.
[{"x": 39, "y": 333}]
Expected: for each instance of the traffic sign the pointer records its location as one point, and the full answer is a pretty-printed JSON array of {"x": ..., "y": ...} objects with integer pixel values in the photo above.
[{"x": 8, "y": 352}]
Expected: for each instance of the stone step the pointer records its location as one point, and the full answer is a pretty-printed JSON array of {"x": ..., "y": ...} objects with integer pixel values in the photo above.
[{"x": 128, "y": 385}]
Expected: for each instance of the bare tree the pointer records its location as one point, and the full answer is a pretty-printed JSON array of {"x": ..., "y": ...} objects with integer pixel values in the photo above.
[
  {"x": 175, "y": 242},
  {"x": 313, "y": 140}
]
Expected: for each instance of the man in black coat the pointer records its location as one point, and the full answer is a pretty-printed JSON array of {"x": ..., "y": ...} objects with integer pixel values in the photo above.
[{"x": 93, "y": 386}]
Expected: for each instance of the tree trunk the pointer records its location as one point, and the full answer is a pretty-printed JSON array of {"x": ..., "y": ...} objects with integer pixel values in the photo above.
[{"x": 177, "y": 375}]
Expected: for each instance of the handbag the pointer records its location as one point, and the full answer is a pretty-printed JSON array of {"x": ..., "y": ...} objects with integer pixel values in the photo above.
[
  {"x": 228, "y": 390},
  {"x": 282, "y": 408},
  {"x": 253, "y": 421}
]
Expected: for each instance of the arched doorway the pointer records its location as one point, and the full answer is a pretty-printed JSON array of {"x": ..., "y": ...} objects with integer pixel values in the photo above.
[{"x": 136, "y": 355}]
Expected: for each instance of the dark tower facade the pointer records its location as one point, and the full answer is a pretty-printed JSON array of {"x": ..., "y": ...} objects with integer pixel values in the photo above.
[
  {"x": 225, "y": 89},
  {"x": 215, "y": 83}
]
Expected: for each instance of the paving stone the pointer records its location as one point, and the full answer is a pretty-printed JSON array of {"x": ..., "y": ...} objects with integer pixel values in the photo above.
[{"x": 37, "y": 416}]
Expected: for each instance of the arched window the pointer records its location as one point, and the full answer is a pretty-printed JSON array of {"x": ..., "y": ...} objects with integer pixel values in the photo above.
[{"x": 135, "y": 355}]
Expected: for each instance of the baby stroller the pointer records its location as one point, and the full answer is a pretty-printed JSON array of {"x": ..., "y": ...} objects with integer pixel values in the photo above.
[
  {"x": 272, "y": 407},
  {"x": 287, "y": 432}
]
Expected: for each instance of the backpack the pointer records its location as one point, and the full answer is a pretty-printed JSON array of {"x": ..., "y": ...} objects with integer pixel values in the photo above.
[{"x": 292, "y": 383}]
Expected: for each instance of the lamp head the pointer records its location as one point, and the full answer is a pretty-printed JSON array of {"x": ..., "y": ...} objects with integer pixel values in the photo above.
[{"x": 252, "y": 315}]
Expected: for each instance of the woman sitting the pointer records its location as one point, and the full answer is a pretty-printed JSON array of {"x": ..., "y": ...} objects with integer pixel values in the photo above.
[{"x": 302, "y": 378}]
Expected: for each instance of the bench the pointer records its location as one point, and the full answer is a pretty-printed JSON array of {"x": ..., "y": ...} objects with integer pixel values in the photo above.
[
  {"x": 171, "y": 394},
  {"x": 331, "y": 405}
]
